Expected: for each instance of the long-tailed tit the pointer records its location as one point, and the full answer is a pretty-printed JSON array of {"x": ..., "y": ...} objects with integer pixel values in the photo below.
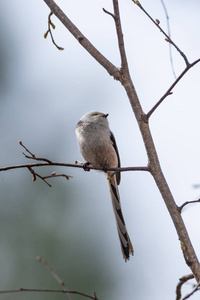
[{"x": 98, "y": 147}]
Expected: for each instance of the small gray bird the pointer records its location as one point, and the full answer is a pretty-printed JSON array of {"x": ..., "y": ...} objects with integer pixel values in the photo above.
[{"x": 98, "y": 147}]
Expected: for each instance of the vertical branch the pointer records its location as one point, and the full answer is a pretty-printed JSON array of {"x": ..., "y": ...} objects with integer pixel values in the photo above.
[
  {"x": 124, "y": 63},
  {"x": 154, "y": 165},
  {"x": 169, "y": 34}
]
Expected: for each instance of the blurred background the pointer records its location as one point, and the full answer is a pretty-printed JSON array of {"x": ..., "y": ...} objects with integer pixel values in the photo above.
[{"x": 43, "y": 94}]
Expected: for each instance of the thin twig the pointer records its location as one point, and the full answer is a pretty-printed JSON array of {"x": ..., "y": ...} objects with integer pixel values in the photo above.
[
  {"x": 58, "y": 279},
  {"x": 110, "y": 68},
  {"x": 50, "y": 24},
  {"x": 188, "y": 202},
  {"x": 182, "y": 280},
  {"x": 21, "y": 144},
  {"x": 169, "y": 91},
  {"x": 169, "y": 34},
  {"x": 32, "y": 155},
  {"x": 109, "y": 13},
  {"x": 78, "y": 164},
  {"x": 48, "y": 291},
  {"x": 35, "y": 175},
  {"x": 53, "y": 175},
  {"x": 38, "y": 158},
  {"x": 124, "y": 63},
  {"x": 167, "y": 37},
  {"x": 197, "y": 288},
  {"x": 55, "y": 275}
]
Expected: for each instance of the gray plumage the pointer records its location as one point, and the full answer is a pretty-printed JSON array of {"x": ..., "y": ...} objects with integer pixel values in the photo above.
[{"x": 98, "y": 147}]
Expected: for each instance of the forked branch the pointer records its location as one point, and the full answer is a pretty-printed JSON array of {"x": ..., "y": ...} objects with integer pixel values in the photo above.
[
  {"x": 154, "y": 165},
  {"x": 167, "y": 37},
  {"x": 112, "y": 70},
  {"x": 61, "y": 282},
  {"x": 50, "y": 24},
  {"x": 169, "y": 91},
  {"x": 182, "y": 280},
  {"x": 41, "y": 162}
]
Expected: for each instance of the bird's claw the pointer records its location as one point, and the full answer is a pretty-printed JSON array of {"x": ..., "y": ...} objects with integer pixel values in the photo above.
[{"x": 86, "y": 166}]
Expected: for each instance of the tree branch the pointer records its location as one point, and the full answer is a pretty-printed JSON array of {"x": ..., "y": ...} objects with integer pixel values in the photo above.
[
  {"x": 197, "y": 288},
  {"x": 55, "y": 275},
  {"x": 169, "y": 34},
  {"x": 124, "y": 63},
  {"x": 167, "y": 37},
  {"x": 58, "y": 279},
  {"x": 55, "y": 163},
  {"x": 50, "y": 24},
  {"x": 169, "y": 91},
  {"x": 188, "y": 202},
  {"x": 47, "y": 291},
  {"x": 112, "y": 70},
  {"x": 182, "y": 280}
]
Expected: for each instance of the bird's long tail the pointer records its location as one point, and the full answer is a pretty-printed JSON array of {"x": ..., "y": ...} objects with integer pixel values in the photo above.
[{"x": 125, "y": 241}]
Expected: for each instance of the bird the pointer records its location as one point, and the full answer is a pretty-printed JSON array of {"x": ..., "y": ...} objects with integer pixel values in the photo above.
[{"x": 98, "y": 147}]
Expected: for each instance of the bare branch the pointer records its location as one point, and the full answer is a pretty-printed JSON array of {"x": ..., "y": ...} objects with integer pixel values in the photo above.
[
  {"x": 54, "y": 163},
  {"x": 124, "y": 63},
  {"x": 109, "y": 13},
  {"x": 21, "y": 144},
  {"x": 169, "y": 34},
  {"x": 182, "y": 280},
  {"x": 111, "y": 69},
  {"x": 50, "y": 24},
  {"x": 48, "y": 291},
  {"x": 188, "y": 202},
  {"x": 156, "y": 171},
  {"x": 169, "y": 91},
  {"x": 53, "y": 175},
  {"x": 197, "y": 288},
  {"x": 35, "y": 175},
  {"x": 47, "y": 162},
  {"x": 55, "y": 275},
  {"x": 167, "y": 37},
  {"x": 58, "y": 279}
]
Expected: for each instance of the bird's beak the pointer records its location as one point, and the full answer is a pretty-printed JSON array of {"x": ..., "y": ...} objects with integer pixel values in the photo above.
[{"x": 105, "y": 116}]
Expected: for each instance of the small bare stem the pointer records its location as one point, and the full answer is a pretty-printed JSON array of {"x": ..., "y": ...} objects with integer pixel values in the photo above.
[
  {"x": 55, "y": 275},
  {"x": 188, "y": 202},
  {"x": 169, "y": 91},
  {"x": 167, "y": 37},
  {"x": 32, "y": 155},
  {"x": 169, "y": 34},
  {"x": 48, "y": 291},
  {"x": 109, "y": 13},
  {"x": 50, "y": 24},
  {"x": 197, "y": 288},
  {"x": 182, "y": 280}
]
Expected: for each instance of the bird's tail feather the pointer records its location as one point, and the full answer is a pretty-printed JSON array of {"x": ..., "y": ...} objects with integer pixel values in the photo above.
[{"x": 125, "y": 241}]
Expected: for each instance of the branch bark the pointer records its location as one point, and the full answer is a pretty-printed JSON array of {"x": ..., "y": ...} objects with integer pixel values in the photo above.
[
  {"x": 81, "y": 166},
  {"x": 154, "y": 165}
]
